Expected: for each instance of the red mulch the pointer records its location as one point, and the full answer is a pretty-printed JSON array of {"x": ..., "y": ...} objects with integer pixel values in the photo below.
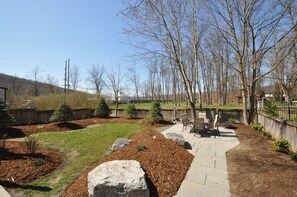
[
  {"x": 255, "y": 169},
  {"x": 17, "y": 167},
  {"x": 164, "y": 161}
]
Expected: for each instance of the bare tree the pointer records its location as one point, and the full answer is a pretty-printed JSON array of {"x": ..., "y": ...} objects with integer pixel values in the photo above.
[
  {"x": 248, "y": 27},
  {"x": 52, "y": 82},
  {"x": 95, "y": 78},
  {"x": 74, "y": 78},
  {"x": 35, "y": 76},
  {"x": 134, "y": 78},
  {"x": 115, "y": 83},
  {"x": 17, "y": 85},
  {"x": 165, "y": 28}
]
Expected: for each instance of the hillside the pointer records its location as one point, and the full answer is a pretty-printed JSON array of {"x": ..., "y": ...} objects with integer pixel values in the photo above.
[{"x": 25, "y": 87}]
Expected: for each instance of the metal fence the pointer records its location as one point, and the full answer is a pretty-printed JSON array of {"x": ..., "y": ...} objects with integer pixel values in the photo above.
[{"x": 286, "y": 113}]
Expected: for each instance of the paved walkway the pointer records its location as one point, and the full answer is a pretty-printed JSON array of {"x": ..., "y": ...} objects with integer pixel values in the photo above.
[{"x": 208, "y": 174}]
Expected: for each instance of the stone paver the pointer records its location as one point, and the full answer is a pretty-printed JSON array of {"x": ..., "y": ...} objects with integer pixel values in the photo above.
[
  {"x": 3, "y": 192},
  {"x": 208, "y": 174}
]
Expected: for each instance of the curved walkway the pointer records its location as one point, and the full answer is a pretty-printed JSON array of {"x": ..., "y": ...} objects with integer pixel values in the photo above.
[{"x": 207, "y": 175}]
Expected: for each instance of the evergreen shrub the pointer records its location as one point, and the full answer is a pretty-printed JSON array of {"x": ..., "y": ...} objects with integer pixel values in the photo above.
[
  {"x": 62, "y": 114},
  {"x": 102, "y": 110}
]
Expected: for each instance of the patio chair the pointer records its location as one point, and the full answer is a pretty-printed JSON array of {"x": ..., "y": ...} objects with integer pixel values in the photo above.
[
  {"x": 185, "y": 121},
  {"x": 206, "y": 120},
  {"x": 216, "y": 125},
  {"x": 198, "y": 126}
]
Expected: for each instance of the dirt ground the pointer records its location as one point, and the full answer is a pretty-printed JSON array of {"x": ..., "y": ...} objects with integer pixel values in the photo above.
[{"x": 255, "y": 169}]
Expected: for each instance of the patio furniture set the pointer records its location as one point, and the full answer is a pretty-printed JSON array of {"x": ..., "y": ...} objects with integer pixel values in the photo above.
[{"x": 200, "y": 124}]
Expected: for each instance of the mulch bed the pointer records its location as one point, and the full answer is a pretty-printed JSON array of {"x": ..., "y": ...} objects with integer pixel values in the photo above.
[
  {"x": 17, "y": 167},
  {"x": 164, "y": 161},
  {"x": 255, "y": 169}
]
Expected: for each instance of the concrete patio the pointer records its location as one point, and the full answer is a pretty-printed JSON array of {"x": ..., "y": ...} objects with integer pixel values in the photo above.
[{"x": 208, "y": 174}]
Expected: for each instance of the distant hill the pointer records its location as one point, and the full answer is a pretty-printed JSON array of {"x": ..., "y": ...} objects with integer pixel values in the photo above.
[{"x": 26, "y": 87}]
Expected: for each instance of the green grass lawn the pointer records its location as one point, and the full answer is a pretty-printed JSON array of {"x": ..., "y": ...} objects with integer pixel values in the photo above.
[{"x": 80, "y": 149}]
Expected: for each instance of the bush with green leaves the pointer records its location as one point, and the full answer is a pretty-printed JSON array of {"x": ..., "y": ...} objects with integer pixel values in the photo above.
[
  {"x": 102, "y": 110},
  {"x": 293, "y": 156},
  {"x": 257, "y": 126},
  {"x": 270, "y": 107},
  {"x": 5, "y": 116},
  {"x": 141, "y": 147},
  {"x": 62, "y": 114},
  {"x": 232, "y": 120},
  {"x": 282, "y": 145},
  {"x": 155, "y": 114},
  {"x": 130, "y": 111}
]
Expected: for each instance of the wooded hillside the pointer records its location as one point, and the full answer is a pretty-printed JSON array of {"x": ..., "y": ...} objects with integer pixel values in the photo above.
[{"x": 24, "y": 87}]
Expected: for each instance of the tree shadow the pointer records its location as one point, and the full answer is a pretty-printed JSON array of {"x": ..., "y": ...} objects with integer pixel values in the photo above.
[
  {"x": 12, "y": 185},
  {"x": 10, "y": 132},
  {"x": 69, "y": 125}
]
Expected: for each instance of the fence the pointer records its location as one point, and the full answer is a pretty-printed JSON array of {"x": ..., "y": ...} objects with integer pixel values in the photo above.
[
  {"x": 279, "y": 128},
  {"x": 31, "y": 116},
  {"x": 287, "y": 113}
]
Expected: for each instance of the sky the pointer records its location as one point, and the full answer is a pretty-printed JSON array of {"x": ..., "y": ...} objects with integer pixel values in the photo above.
[{"x": 45, "y": 33}]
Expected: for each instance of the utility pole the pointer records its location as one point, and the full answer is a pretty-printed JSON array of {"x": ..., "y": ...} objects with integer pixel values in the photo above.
[
  {"x": 65, "y": 77},
  {"x": 68, "y": 85}
]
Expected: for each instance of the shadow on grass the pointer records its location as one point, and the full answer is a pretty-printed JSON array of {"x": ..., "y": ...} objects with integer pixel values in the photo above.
[
  {"x": 10, "y": 132},
  {"x": 9, "y": 184},
  {"x": 69, "y": 125}
]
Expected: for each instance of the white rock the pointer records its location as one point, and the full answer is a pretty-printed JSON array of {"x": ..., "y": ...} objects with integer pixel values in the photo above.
[
  {"x": 118, "y": 178},
  {"x": 176, "y": 137},
  {"x": 120, "y": 143}
]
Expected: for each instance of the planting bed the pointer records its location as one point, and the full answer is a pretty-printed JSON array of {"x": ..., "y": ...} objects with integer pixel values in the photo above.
[
  {"x": 17, "y": 167},
  {"x": 255, "y": 169}
]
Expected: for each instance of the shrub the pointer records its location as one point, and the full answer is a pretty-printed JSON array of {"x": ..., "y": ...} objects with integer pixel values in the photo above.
[
  {"x": 31, "y": 144},
  {"x": 282, "y": 145},
  {"x": 38, "y": 162},
  {"x": 5, "y": 117},
  {"x": 130, "y": 111},
  {"x": 293, "y": 156},
  {"x": 232, "y": 120},
  {"x": 266, "y": 134},
  {"x": 270, "y": 107},
  {"x": 141, "y": 147},
  {"x": 155, "y": 114},
  {"x": 257, "y": 126},
  {"x": 62, "y": 113},
  {"x": 102, "y": 110}
]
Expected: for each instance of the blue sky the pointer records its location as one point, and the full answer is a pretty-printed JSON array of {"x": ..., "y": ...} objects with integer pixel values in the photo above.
[{"x": 45, "y": 33}]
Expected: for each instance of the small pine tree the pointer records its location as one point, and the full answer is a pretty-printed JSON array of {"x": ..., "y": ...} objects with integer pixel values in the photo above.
[
  {"x": 155, "y": 114},
  {"x": 102, "y": 110},
  {"x": 62, "y": 113},
  {"x": 5, "y": 117},
  {"x": 130, "y": 111},
  {"x": 270, "y": 107}
]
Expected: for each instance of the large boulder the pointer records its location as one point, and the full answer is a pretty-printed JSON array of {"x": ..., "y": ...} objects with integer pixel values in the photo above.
[
  {"x": 118, "y": 178},
  {"x": 176, "y": 137},
  {"x": 120, "y": 143}
]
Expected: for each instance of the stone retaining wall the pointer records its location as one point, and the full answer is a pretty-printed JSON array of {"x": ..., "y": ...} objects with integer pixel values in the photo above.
[{"x": 280, "y": 129}]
